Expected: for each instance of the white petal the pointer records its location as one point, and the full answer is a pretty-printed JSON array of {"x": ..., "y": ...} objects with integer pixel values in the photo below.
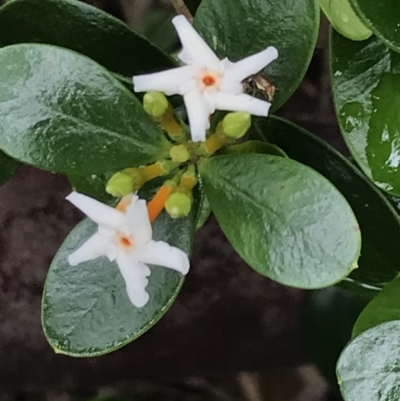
[
  {"x": 251, "y": 65},
  {"x": 195, "y": 50},
  {"x": 198, "y": 111},
  {"x": 100, "y": 213},
  {"x": 171, "y": 82},
  {"x": 242, "y": 102},
  {"x": 162, "y": 254},
  {"x": 95, "y": 246},
  {"x": 135, "y": 276},
  {"x": 139, "y": 222},
  {"x": 112, "y": 253}
]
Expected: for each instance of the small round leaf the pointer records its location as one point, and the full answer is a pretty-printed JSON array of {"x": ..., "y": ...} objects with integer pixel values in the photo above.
[
  {"x": 365, "y": 76},
  {"x": 83, "y": 28},
  {"x": 379, "y": 262},
  {"x": 368, "y": 368},
  {"x": 61, "y": 111},
  {"x": 284, "y": 219},
  {"x": 383, "y": 18}
]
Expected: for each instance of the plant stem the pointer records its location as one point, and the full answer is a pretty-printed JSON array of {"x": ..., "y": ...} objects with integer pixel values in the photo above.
[{"x": 181, "y": 8}]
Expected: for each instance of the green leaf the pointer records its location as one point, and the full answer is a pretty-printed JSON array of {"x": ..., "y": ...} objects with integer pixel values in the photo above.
[
  {"x": 254, "y": 146},
  {"x": 85, "y": 309},
  {"x": 379, "y": 262},
  {"x": 239, "y": 28},
  {"x": 158, "y": 29},
  {"x": 385, "y": 307},
  {"x": 284, "y": 219},
  {"x": 368, "y": 368},
  {"x": 344, "y": 20},
  {"x": 7, "y": 167},
  {"x": 93, "y": 185},
  {"x": 204, "y": 213},
  {"x": 383, "y": 18},
  {"x": 329, "y": 318},
  {"x": 364, "y": 78},
  {"x": 84, "y": 29},
  {"x": 63, "y": 112}
]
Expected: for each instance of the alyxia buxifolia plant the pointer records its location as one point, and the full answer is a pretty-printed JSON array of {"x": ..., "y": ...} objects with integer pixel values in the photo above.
[{"x": 147, "y": 169}]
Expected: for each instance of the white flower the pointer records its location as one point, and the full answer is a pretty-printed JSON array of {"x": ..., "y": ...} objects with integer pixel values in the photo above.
[
  {"x": 125, "y": 235},
  {"x": 207, "y": 83}
]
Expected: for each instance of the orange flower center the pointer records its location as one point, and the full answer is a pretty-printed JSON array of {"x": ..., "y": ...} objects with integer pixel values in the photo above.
[
  {"x": 208, "y": 80},
  {"x": 125, "y": 242}
]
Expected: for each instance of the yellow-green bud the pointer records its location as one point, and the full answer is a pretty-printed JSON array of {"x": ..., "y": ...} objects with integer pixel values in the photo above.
[
  {"x": 124, "y": 182},
  {"x": 179, "y": 154},
  {"x": 155, "y": 103},
  {"x": 178, "y": 205},
  {"x": 120, "y": 184},
  {"x": 235, "y": 125}
]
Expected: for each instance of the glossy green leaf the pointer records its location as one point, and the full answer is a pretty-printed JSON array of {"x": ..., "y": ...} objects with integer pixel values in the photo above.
[
  {"x": 83, "y": 28},
  {"x": 93, "y": 185},
  {"x": 328, "y": 321},
  {"x": 85, "y": 309},
  {"x": 385, "y": 307},
  {"x": 284, "y": 219},
  {"x": 344, "y": 20},
  {"x": 254, "y": 146},
  {"x": 7, "y": 167},
  {"x": 379, "y": 262},
  {"x": 204, "y": 213},
  {"x": 383, "y": 17},
  {"x": 365, "y": 76},
  {"x": 368, "y": 368},
  {"x": 157, "y": 27},
  {"x": 239, "y": 28},
  {"x": 63, "y": 112}
]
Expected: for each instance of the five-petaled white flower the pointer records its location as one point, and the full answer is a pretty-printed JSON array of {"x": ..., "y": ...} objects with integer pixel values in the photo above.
[
  {"x": 125, "y": 235},
  {"x": 207, "y": 83}
]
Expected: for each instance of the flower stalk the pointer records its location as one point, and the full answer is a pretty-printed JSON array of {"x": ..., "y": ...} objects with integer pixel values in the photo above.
[
  {"x": 234, "y": 126},
  {"x": 157, "y": 204},
  {"x": 132, "y": 179},
  {"x": 215, "y": 142},
  {"x": 158, "y": 107},
  {"x": 180, "y": 201}
]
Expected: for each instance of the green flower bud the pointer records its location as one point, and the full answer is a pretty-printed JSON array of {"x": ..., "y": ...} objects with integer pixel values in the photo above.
[
  {"x": 178, "y": 205},
  {"x": 124, "y": 182},
  {"x": 179, "y": 154},
  {"x": 235, "y": 125},
  {"x": 155, "y": 104}
]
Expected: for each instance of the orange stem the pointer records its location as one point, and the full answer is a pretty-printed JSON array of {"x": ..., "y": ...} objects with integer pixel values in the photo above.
[{"x": 156, "y": 205}]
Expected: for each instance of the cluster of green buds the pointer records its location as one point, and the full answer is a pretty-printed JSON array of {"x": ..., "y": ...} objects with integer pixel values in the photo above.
[{"x": 176, "y": 194}]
